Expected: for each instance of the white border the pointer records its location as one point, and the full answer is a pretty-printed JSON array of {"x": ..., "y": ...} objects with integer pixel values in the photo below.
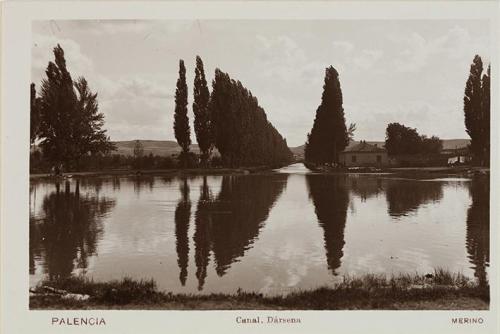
[{"x": 15, "y": 61}]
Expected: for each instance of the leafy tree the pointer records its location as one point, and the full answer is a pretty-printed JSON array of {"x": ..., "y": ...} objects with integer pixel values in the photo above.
[
  {"x": 477, "y": 111},
  {"x": 88, "y": 135},
  {"x": 70, "y": 123},
  {"x": 400, "y": 139},
  {"x": 202, "y": 122},
  {"x": 34, "y": 114},
  {"x": 432, "y": 145},
  {"x": 181, "y": 120},
  {"x": 329, "y": 135}
]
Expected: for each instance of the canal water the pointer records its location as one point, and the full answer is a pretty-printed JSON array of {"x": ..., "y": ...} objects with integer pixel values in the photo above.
[{"x": 270, "y": 233}]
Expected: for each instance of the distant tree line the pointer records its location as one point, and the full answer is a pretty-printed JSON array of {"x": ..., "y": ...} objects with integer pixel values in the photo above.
[
  {"x": 111, "y": 161},
  {"x": 477, "y": 111},
  {"x": 402, "y": 140},
  {"x": 229, "y": 119}
]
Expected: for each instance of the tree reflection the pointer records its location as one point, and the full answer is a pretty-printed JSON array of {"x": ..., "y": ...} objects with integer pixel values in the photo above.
[
  {"x": 238, "y": 214},
  {"x": 478, "y": 228},
  {"x": 405, "y": 196},
  {"x": 143, "y": 181},
  {"x": 182, "y": 216},
  {"x": 331, "y": 200},
  {"x": 67, "y": 232},
  {"x": 229, "y": 224},
  {"x": 203, "y": 225}
]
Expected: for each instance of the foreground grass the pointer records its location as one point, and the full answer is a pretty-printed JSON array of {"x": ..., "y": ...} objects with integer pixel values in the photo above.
[{"x": 441, "y": 290}]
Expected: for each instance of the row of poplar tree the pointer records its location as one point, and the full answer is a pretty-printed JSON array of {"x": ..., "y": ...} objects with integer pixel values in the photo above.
[{"x": 228, "y": 119}]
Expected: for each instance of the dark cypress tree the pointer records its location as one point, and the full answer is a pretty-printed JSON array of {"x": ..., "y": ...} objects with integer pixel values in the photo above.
[
  {"x": 202, "y": 126},
  {"x": 181, "y": 120},
  {"x": 329, "y": 135},
  {"x": 477, "y": 111}
]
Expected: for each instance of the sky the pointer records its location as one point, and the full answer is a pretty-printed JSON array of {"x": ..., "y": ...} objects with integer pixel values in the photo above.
[{"x": 407, "y": 71}]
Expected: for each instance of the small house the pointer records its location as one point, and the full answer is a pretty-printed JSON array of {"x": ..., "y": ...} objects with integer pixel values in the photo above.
[{"x": 364, "y": 155}]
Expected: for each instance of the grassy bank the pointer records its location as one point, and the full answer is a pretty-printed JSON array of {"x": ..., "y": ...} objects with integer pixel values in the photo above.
[{"x": 440, "y": 290}]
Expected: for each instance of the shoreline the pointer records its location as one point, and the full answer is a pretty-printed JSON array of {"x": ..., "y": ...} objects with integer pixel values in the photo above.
[
  {"x": 438, "y": 291},
  {"x": 156, "y": 172},
  {"x": 415, "y": 172}
]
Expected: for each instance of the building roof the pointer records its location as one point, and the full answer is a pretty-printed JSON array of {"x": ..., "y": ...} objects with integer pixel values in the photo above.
[{"x": 363, "y": 146}]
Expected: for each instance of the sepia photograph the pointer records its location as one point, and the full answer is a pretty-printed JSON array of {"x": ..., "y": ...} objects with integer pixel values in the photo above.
[
  {"x": 280, "y": 167},
  {"x": 259, "y": 165}
]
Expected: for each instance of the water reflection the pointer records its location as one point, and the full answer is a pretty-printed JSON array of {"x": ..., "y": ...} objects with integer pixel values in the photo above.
[
  {"x": 478, "y": 228},
  {"x": 257, "y": 232},
  {"x": 365, "y": 187},
  {"x": 229, "y": 224},
  {"x": 331, "y": 200},
  {"x": 238, "y": 214},
  {"x": 141, "y": 182},
  {"x": 203, "y": 226},
  {"x": 182, "y": 216},
  {"x": 68, "y": 231},
  {"x": 405, "y": 196}
]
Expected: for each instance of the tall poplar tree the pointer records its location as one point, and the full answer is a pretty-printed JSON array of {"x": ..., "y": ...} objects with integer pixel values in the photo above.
[
  {"x": 477, "y": 111},
  {"x": 181, "y": 120},
  {"x": 242, "y": 133},
  {"x": 329, "y": 135},
  {"x": 485, "y": 117},
  {"x": 202, "y": 121}
]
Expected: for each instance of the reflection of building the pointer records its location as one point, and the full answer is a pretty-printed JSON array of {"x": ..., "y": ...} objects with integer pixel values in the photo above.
[
  {"x": 365, "y": 186},
  {"x": 364, "y": 154}
]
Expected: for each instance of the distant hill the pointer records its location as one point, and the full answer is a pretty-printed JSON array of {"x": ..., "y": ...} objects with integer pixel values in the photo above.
[
  {"x": 448, "y": 144},
  {"x": 157, "y": 147},
  {"x": 169, "y": 147},
  {"x": 298, "y": 151}
]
